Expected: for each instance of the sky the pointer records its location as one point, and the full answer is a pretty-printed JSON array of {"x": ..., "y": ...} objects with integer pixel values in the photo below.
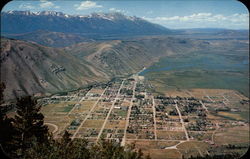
[{"x": 174, "y": 14}]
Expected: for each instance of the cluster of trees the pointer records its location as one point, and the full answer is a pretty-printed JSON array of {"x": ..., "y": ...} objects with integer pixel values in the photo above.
[
  {"x": 26, "y": 136},
  {"x": 192, "y": 107},
  {"x": 199, "y": 125},
  {"x": 126, "y": 91},
  {"x": 139, "y": 96},
  {"x": 229, "y": 146},
  {"x": 222, "y": 156},
  {"x": 173, "y": 112},
  {"x": 160, "y": 108}
]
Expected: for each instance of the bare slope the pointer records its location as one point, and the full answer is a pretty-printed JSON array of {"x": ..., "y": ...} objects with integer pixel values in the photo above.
[
  {"x": 28, "y": 68},
  {"x": 120, "y": 57}
]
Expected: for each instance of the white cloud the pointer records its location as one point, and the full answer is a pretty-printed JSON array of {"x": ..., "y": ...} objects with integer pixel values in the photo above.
[
  {"x": 26, "y": 6},
  {"x": 114, "y": 10},
  {"x": 45, "y": 4},
  {"x": 118, "y": 10},
  {"x": 87, "y": 5},
  {"x": 203, "y": 19}
]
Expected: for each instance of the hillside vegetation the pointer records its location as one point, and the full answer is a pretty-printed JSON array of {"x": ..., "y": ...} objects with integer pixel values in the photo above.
[{"x": 29, "y": 68}]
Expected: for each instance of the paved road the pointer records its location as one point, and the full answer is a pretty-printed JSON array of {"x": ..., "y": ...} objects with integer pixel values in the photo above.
[
  {"x": 154, "y": 113},
  {"x": 128, "y": 115},
  {"x": 53, "y": 125},
  {"x": 203, "y": 105},
  {"x": 209, "y": 98},
  {"x": 78, "y": 102},
  {"x": 183, "y": 126},
  {"x": 63, "y": 96},
  {"x": 217, "y": 127},
  {"x": 175, "y": 146},
  {"x": 154, "y": 140},
  {"x": 110, "y": 110},
  {"x": 239, "y": 95},
  {"x": 93, "y": 107},
  {"x": 190, "y": 93},
  {"x": 225, "y": 97}
]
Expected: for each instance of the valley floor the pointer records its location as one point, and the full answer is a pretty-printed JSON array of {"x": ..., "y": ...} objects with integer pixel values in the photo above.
[{"x": 178, "y": 124}]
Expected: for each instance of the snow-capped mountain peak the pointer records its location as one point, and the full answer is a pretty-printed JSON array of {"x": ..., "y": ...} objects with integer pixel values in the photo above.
[
  {"x": 96, "y": 23},
  {"x": 107, "y": 16}
]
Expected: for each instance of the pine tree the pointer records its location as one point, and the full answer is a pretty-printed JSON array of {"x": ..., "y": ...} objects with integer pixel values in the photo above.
[
  {"x": 6, "y": 129},
  {"x": 66, "y": 138},
  {"x": 148, "y": 157},
  {"x": 27, "y": 137},
  {"x": 29, "y": 124},
  {"x": 2, "y": 87}
]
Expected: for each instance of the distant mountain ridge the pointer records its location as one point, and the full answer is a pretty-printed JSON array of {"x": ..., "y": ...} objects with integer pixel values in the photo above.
[
  {"x": 51, "y": 39},
  {"x": 16, "y": 22}
]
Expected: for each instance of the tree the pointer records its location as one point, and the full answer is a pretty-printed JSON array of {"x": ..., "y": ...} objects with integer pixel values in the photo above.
[
  {"x": 2, "y": 87},
  {"x": 6, "y": 135},
  {"x": 27, "y": 137},
  {"x": 6, "y": 129},
  {"x": 29, "y": 124},
  {"x": 109, "y": 149},
  {"x": 148, "y": 157},
  {"x": 234, "y": 155}
]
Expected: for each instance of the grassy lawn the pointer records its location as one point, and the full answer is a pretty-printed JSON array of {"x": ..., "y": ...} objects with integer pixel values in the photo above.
[
  {"x": 230, "y": 115},
  {"x": 68, "y": 108},
  {"x": 93, "y": 123}
]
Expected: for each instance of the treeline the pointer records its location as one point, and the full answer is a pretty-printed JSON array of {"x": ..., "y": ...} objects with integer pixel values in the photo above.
[
  {"x": 25, "y": 136},
  {"x": 222, "y": 156}
]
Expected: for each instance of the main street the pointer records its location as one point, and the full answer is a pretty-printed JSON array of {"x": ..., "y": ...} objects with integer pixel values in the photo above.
[
  {"x": 181, "y": 120},
  {"x": 128, "y": 114}
]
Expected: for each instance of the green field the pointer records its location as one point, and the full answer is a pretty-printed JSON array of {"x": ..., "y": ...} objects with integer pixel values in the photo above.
[
  {"x": 221, "y": 70},
  {"x": 68, "y": 108}
]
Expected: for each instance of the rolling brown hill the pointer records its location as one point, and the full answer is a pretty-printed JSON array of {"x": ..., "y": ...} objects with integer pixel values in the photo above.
[
  {"x": 121, "y": 57},
  {"x": 29, "y": 68}
]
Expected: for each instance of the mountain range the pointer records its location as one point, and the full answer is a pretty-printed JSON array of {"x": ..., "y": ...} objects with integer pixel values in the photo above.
[
  {"x": 52, "y": 39},
  {"x": 16, "y": 22},
  {"x": 49, "y": 52}
]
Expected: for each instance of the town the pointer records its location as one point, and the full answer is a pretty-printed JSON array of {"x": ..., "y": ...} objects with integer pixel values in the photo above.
[{"x": 126, "y": 111}]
